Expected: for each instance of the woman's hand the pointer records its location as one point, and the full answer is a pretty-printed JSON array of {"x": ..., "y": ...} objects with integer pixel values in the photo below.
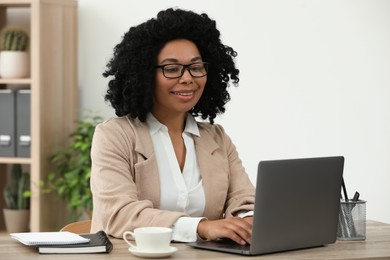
[
  {"x": 234, "y": 228},
  {"x": 249, "y": 220}
]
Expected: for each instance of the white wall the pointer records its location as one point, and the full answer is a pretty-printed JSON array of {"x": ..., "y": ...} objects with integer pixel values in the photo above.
[{"x": 315, "y": 79}]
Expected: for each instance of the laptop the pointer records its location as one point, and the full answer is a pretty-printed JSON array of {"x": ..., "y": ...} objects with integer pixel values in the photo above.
[{"x": 296, "y": 206}]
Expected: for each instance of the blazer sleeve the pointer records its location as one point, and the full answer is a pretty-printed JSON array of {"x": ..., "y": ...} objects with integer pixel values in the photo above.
[
  {"x": 116, "y": 203},
  {"x": 228, "y": 188}
]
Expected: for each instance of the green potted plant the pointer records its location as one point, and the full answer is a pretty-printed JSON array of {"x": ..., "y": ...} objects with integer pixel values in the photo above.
[
  {"x": 16, "y": 196},
  {"x": 71, "y": 170},
  {"x": 14, "y": 59}
]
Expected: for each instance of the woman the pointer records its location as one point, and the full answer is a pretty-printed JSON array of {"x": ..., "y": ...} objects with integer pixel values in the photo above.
[{"x": 155, "y": 165}]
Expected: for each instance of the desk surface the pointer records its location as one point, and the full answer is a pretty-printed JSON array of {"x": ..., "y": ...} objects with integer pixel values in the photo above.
[{"x": 376, "y": 246}]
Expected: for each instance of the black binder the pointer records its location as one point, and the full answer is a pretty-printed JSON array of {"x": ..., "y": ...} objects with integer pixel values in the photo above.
[
  {"x": 7, "y": 123},
  {"x": 23, "y": 123}
]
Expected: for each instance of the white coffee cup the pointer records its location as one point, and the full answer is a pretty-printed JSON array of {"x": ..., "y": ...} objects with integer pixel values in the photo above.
[{"x": 150, "y": 239}]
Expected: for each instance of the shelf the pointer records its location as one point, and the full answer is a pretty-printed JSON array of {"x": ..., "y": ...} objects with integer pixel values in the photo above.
[
  {"x": 15, "y": 3},
  {"x": 15, "y": 81},
  {"x": 14, "y": 160},
  {"x": 54, "y": 96}
]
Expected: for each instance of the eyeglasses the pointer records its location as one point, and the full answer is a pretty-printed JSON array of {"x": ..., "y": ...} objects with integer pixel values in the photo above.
[{"x": 174, "y": 71}]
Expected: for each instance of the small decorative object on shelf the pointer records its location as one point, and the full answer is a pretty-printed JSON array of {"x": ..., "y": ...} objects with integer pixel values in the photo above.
[
  {"x": 14, "y": 58},
  {"x": 17, "y": 198}
]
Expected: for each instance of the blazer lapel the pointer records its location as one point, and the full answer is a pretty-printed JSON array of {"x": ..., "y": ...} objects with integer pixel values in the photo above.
[
  {"x": 205, "y": 147},
  {"x": 143, "y": 140},
  {"x": 146, "y": 163}
]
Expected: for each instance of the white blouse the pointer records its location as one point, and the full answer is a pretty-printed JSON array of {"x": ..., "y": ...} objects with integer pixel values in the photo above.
[{"x": 180, "y": 191}]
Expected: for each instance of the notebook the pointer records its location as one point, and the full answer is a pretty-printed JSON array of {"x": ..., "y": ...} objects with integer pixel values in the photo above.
[
  {"x": 48, "y": 238},
  {"x": 98, "y": 243},
  {"x": 297, "y": 205}
]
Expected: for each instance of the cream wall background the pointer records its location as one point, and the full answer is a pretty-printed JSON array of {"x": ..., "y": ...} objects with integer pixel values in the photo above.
[{"x": 314, "y": 81}]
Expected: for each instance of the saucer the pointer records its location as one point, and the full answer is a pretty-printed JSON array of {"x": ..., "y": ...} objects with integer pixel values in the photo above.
[{"x": 136, "y": 252}]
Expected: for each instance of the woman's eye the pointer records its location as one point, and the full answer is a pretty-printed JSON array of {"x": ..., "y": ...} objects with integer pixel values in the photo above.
[
  {"x": 172, "y": 69},
  {"x": 197, "y": 68}
]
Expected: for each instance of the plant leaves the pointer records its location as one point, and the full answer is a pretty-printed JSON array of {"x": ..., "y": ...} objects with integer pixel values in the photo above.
[{"x": 71, "y": 169}]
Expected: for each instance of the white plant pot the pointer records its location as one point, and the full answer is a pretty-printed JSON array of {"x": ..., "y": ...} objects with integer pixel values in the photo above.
[
  {"x": 17, "y": 220},
  {"x": 14, "y": 64}
]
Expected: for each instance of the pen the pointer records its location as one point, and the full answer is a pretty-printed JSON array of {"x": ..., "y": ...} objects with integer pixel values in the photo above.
[{"x": 344, "y": 190}]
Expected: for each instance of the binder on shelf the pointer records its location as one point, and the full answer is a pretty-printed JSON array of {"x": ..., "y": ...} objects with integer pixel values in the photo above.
[
  {"x": 7, "y": 123},
  {"x": 23, "y": 123}
]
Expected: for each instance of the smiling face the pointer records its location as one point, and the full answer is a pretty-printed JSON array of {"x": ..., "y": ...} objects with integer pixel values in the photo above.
[{"x": 175, "y": 97}]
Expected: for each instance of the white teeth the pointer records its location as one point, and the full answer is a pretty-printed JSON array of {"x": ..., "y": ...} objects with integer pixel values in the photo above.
[{"x": 183, "y": 94}]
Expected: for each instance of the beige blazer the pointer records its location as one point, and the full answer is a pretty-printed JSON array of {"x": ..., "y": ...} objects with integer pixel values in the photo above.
[{"x": 125, "y": 180}]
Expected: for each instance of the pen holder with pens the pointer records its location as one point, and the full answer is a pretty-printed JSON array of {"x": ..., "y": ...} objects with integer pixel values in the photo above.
[{"x": 352, "y": 220}]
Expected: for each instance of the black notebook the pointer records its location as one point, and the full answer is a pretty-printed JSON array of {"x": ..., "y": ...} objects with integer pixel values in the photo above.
[{"x": 99, "y": 243}]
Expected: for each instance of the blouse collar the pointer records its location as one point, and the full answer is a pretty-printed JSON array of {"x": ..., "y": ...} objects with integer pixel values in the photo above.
[{"x": 155, "y": 125}]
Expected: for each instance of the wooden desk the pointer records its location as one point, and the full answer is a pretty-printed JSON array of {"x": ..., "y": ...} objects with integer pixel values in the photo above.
[{"x": 376, "y": 246}]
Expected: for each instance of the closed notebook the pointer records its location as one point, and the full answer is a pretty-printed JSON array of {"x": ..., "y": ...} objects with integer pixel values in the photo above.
[
  {"x": 48, "y": 238},
  {"x": 98, "y": 243}
]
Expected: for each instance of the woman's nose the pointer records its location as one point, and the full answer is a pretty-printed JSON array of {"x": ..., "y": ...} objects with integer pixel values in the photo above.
[{"x": 186, "y": 77}]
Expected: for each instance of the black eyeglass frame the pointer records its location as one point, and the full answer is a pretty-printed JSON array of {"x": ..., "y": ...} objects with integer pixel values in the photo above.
[{"x": 185, "y": 66}]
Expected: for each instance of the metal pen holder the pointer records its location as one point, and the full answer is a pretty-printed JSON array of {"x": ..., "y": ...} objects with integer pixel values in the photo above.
[{"x": 352, "y": 220}]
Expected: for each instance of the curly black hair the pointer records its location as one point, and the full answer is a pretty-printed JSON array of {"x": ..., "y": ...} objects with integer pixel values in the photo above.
[{"x": 132, "y": 67}]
